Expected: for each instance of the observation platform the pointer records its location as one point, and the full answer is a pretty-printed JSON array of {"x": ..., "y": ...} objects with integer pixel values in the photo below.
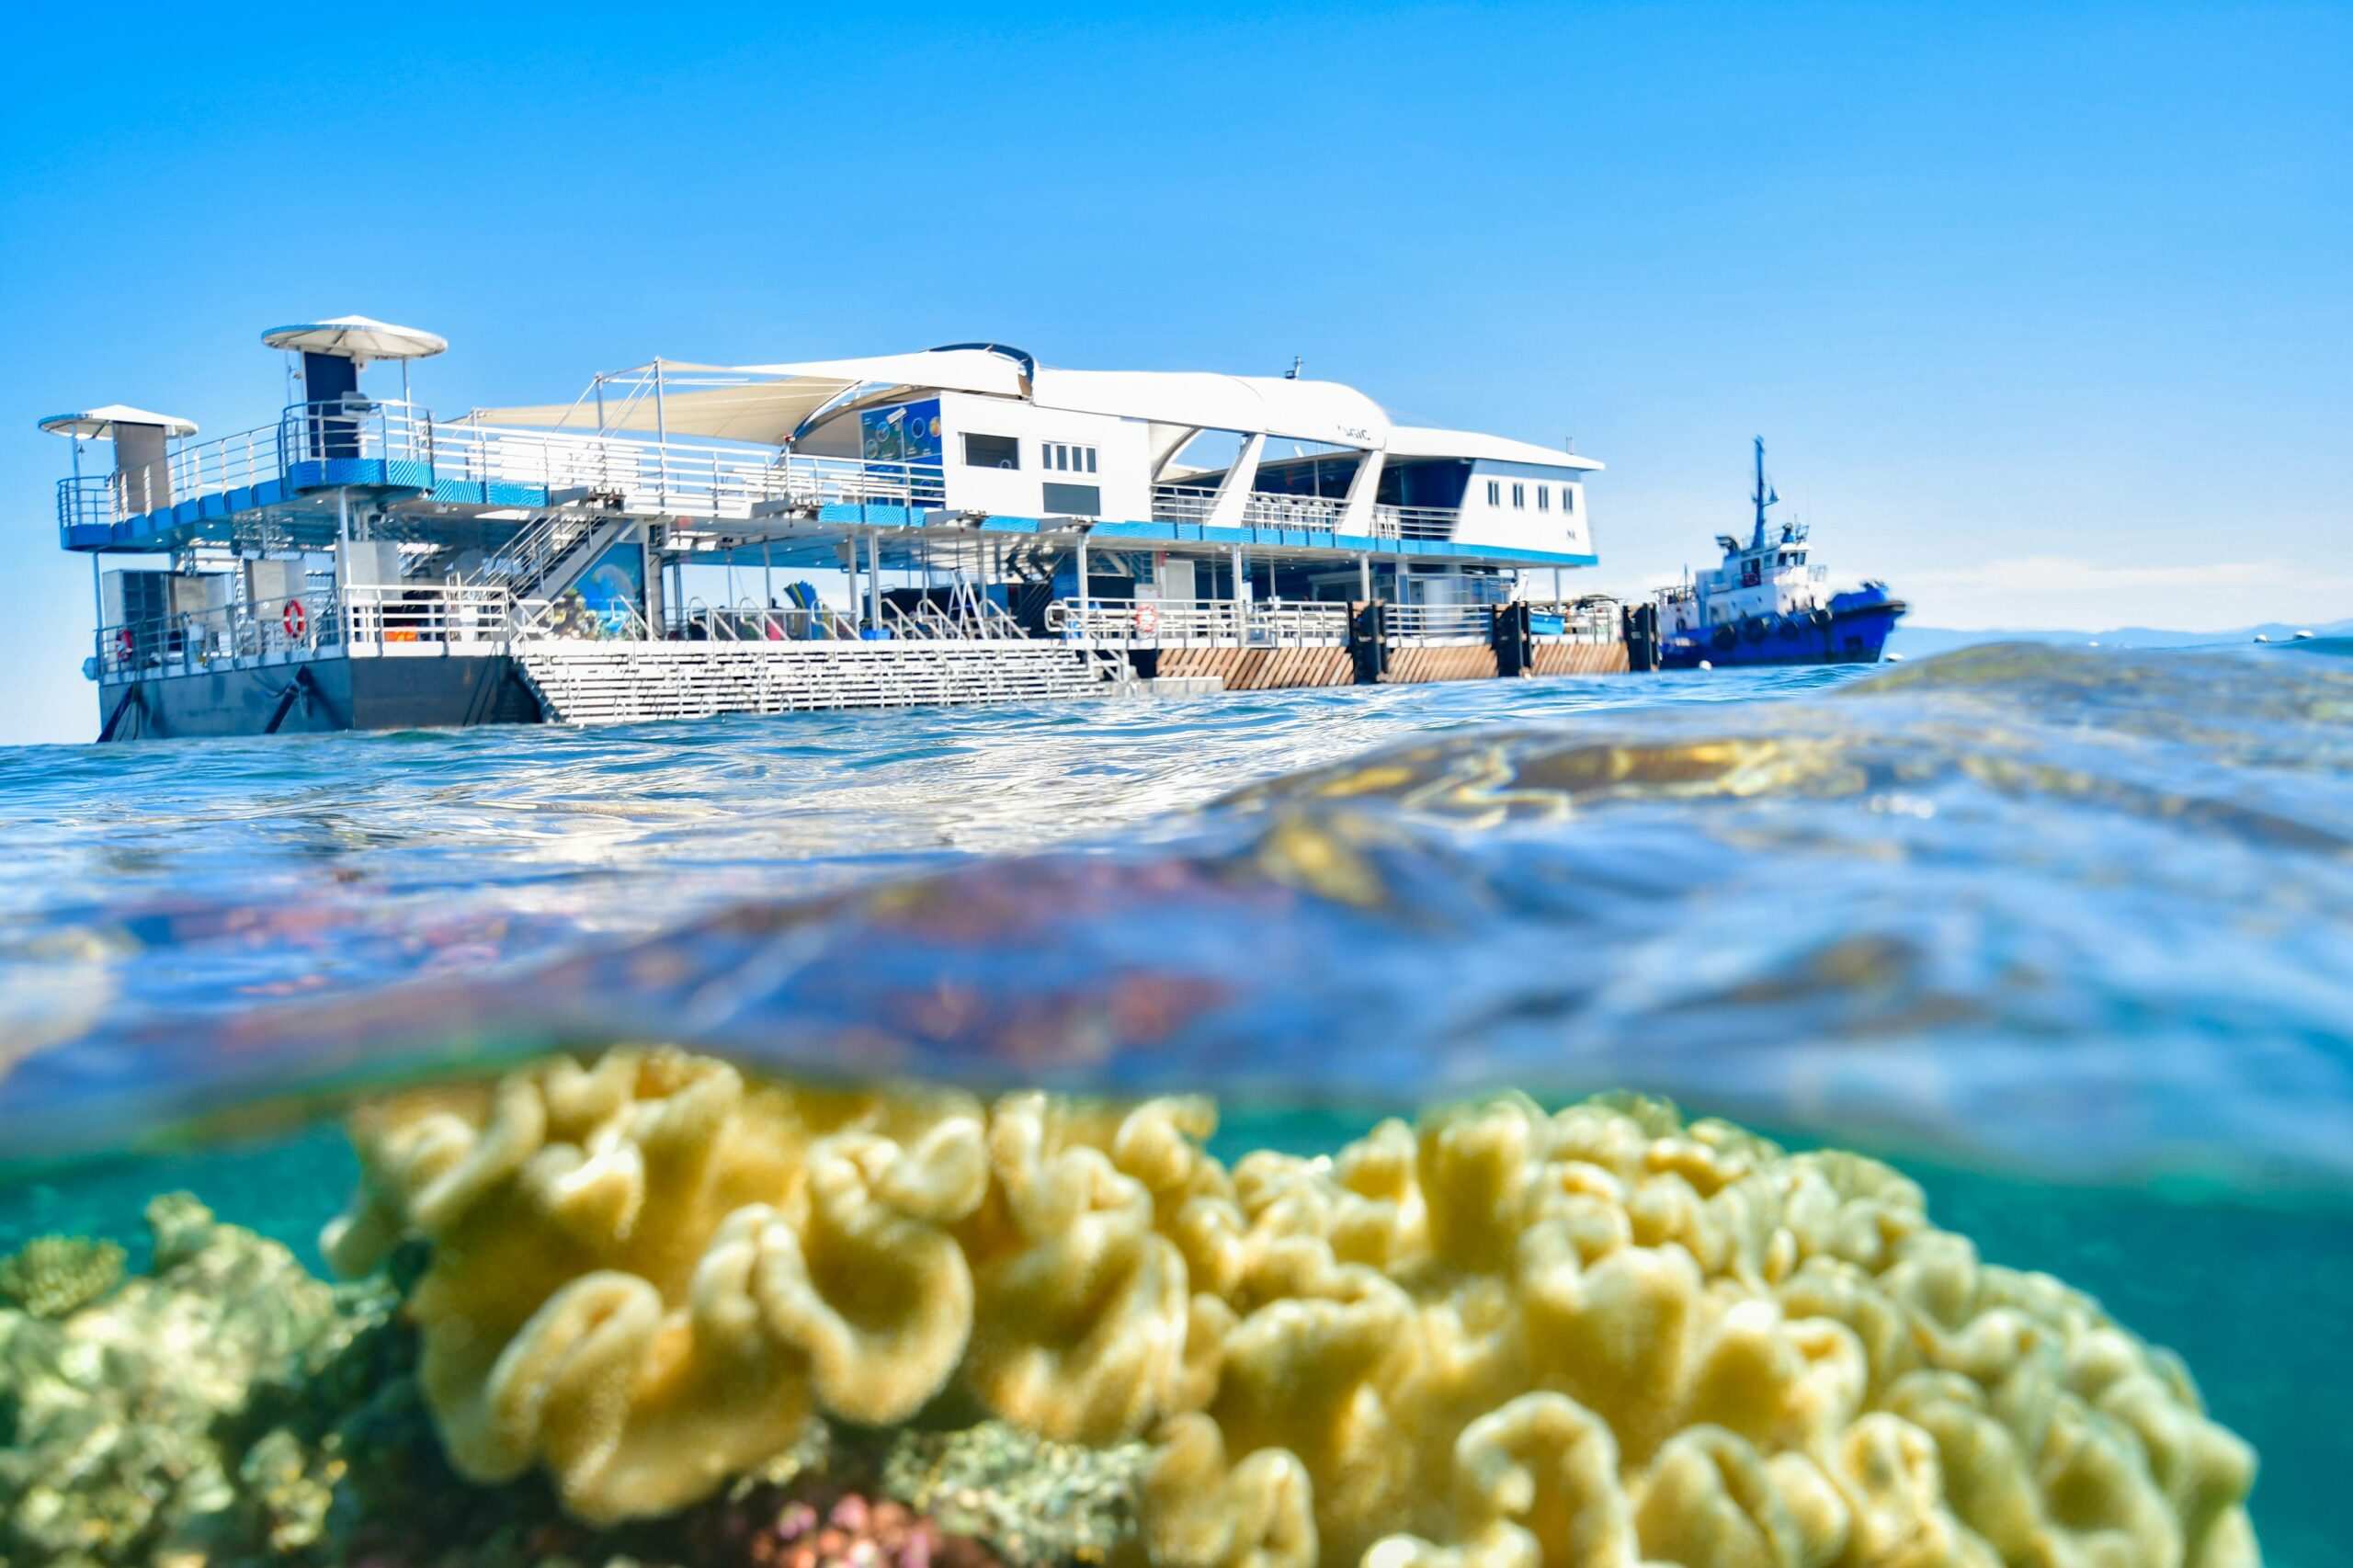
[{"x": 288, "y": 484}]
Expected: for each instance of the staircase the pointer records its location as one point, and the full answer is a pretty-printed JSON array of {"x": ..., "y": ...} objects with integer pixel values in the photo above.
[
  {"x": 621, "y": 682},
  {"x": 553, "y": 551}
]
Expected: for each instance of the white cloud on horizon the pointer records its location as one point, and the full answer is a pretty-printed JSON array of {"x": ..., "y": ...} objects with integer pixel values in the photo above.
[{"x": 2064, "y": 592}]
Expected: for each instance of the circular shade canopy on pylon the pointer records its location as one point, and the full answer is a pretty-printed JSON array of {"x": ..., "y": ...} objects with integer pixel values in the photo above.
[
  {"x": 360, "y": 338},
  {"x": 97, "y": 424}
]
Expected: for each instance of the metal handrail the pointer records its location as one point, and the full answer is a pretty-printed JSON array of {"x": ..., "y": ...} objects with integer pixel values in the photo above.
[
  {"x": 1593, "y": 618},
  {"x": 1438, "y": 620},
  {"x": 1153, "y": 623},
  {"x": 648, "y": 476},
  {"x": 1415, "y": 522},
  {"x": 296, "y": 625},
  {"x": 1195, "y": 502}
]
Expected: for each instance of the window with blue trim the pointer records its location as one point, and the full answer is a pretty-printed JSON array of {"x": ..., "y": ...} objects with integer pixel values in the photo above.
[
  {"x": 1543, "y": 497},
  {"x": 1494, "y": 492}
]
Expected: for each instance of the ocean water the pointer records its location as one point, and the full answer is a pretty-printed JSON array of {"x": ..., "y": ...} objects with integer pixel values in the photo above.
[{"x": 2066, "y": 934}]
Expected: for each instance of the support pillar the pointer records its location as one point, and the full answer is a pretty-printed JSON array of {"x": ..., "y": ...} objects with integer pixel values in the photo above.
[{"x": 874, "y": 579}]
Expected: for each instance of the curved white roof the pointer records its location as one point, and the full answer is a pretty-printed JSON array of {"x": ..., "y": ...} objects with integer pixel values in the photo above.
[
  {"x": 1420, "y": 441},
  {"x": 1300, "y": 411},
  {"x": 771, "y": 407},
  {"x": 97, "y": 424}
]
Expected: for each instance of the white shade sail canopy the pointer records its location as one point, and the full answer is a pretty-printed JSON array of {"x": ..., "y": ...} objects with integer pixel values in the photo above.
[
  {"x": 361, "y": 338},
  {"x": 97, "y": 424},
  {"x": 768, "y": 403}
]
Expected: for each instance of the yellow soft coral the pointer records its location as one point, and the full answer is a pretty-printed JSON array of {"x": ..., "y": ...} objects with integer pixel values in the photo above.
[{"x": 1503, "y": 1338}]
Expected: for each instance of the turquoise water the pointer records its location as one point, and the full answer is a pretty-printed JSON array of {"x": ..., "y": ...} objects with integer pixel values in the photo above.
[{"x": 2067, "y": 935}]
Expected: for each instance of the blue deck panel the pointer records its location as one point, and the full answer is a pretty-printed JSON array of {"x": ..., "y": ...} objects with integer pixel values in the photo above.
[{"x": 871, "y": 513}]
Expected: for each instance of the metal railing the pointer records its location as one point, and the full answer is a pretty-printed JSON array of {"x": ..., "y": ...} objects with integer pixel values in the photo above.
[
  {"x": 1440, "y": 620},
  {"x": 357, "y": 618},
  {"x": 444, "y": 614},
  {"x": 1194, "y": 503},
  {"x": 750, "y": 621},
  {"x": 1593, "y": 618},
  {"x": 1415, "y": 522},
  {"x": 297, "y": 626},
  {"x": 1165, "y": 623},
  {"x": 650, "y": 477}
]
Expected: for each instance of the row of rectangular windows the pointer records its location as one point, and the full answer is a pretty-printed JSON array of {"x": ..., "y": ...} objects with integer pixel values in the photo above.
[
  {"x": 1519, "y": 496},
  {"x": 1005, "y": 452}
]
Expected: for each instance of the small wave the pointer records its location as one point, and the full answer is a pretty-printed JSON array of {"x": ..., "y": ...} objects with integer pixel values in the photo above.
[{"x": 2071, "y": 913}]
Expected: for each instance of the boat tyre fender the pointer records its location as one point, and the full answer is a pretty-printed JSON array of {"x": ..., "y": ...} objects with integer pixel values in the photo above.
[
  {"x": 1722, "y": 638},
  {"x": 1756, "y": 630}
]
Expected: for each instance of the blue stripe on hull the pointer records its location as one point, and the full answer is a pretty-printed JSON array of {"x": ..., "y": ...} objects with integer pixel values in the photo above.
[{"x": 1853, "y": 638}]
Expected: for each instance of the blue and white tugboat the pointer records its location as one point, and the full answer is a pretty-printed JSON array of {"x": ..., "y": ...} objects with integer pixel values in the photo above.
[{"x": 1768, "y": 605}]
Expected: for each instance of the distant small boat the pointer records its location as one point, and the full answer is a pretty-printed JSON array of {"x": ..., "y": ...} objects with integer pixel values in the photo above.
[
  {"x": 2301, "y": 637},
  {"x": 2263, "y": 637},
  {"x": 1766, "y": 606}
]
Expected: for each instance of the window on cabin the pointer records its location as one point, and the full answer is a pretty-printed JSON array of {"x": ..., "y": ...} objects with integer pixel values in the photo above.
[
  {"x": 1568, "y": 498},
  {"x": 1074, "y": 500},
  {"x": 1519, "y": 497},
  {"x": 1494, "y": 492},
  {"x": 991, "y": 451},
  {"x": 1543, "y": 497},
  {"x": 1063, "y": 457}
]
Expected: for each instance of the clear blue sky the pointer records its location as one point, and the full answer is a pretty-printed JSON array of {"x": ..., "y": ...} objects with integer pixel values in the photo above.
[{"x": 2048, "y": 312}]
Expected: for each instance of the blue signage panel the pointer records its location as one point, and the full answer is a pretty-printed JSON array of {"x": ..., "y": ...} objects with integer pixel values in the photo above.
[{"x": 904, "y": 433}]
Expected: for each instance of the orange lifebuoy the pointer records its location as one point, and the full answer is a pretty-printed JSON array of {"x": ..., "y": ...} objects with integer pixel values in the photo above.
[
  {"x": 296, "y": 619},
  {"x": 1147, "y": 620}
]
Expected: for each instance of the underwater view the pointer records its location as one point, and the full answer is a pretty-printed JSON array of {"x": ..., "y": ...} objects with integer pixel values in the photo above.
[{"x": 1834, "y": 1118}]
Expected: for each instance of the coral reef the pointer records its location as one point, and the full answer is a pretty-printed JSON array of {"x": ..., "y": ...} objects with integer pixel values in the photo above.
[
  {"x": 1033, "y": 1501},
  {"x": 107, "y": 1414},
  {"x": 856, "y": 1533},
  {"x": 1595, "y": 1336},
  {"x": 51, "y": 1277}
]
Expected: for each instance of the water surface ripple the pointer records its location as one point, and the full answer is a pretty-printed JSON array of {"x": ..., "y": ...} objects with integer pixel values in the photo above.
[{"x": 2072, "y": 913}]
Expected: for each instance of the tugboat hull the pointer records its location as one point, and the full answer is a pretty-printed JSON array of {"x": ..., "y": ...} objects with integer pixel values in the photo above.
[{"x": 1852, "y": 631}]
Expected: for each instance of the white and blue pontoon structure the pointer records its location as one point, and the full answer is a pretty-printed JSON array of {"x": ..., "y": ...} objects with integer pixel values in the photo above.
[{"x": 984, "y": 527}]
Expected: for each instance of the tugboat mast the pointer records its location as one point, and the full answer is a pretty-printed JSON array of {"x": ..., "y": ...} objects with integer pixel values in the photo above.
[{"x": 1762, "y": 497}]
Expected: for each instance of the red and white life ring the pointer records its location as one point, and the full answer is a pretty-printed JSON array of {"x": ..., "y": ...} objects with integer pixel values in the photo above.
[
  {"x": 123, "y": 643},
  {"x": 297, "y": 620},
  {"x": 1147, "y": 620}
]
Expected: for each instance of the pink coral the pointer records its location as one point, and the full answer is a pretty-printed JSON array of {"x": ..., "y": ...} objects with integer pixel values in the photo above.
[{"x": 855, "y": 1533}]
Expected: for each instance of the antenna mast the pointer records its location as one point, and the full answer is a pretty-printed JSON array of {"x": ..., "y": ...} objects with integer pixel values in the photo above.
[{"x": 1759, "y": 541}]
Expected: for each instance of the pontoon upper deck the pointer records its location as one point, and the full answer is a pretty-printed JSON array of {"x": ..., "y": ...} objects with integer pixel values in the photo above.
[{"x": 1009, "y": 500}]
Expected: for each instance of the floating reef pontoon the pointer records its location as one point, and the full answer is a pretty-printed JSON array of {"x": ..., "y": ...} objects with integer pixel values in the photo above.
[{"x": 1005, "y": 530}]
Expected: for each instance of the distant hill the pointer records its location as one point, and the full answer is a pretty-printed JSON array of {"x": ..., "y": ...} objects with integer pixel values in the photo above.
[{"x": 1920, "y": 641}]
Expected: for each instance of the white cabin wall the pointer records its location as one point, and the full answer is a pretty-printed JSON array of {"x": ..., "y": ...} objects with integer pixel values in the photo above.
[
  {"x": 1551, "y": 527},
  {"x": 1122, "y": 457}
]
